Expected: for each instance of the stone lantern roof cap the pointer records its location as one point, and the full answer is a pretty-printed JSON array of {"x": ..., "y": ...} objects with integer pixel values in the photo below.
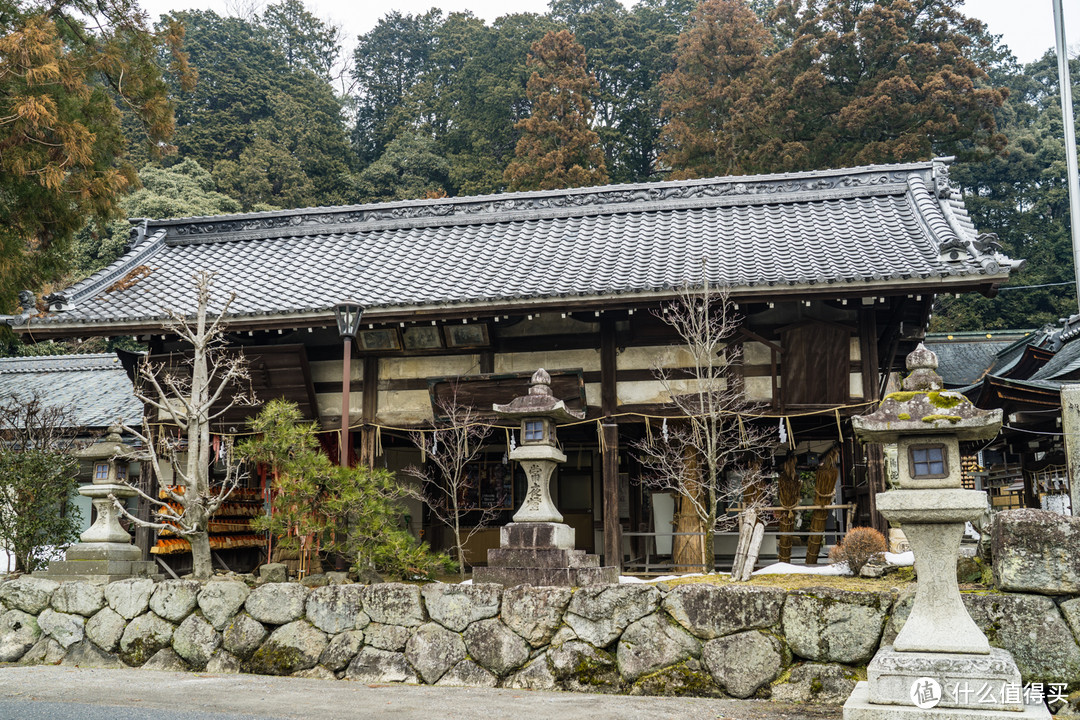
[
  {"x": 539, "y": 402},
  {"x": 923, "y": 407},
  {"x": 107, "y": 448}
]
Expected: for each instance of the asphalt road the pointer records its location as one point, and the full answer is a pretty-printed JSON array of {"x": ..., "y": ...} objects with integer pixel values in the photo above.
[{"x": 68, "y": 693}]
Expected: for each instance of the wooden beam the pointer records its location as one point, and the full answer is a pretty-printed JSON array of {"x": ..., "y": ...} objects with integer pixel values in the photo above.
[
  {"x": 369, "y": 410},
  {"x": 609, "y": 400}
]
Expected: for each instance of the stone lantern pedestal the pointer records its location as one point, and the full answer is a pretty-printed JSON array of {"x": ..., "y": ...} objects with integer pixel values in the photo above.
[
  {"x": 104, "y": 552},
  {"x": 537, "y": 548},
  {"x": 941, "y": 664}
]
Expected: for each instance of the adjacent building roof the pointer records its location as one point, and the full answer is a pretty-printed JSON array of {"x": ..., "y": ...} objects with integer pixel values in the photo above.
[
  {"x": 884, "y": 229},
  {"x": 966, "y": 357},
  {"x": 94, "y": 388}
]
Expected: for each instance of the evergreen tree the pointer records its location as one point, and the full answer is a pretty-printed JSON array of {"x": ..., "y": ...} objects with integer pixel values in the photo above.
[
  {"x": 66, "y": 67},
  {"x": 713, "y": 101},
  {"x": 410, "y": 168},
  {"x": 558, "y": 147},
  {"x": 304, "y": 40}
]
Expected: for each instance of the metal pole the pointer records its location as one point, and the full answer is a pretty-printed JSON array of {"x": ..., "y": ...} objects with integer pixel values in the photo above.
[
  {"x": 346, "y": 377},
  {"x": 1070, "y": 138}
]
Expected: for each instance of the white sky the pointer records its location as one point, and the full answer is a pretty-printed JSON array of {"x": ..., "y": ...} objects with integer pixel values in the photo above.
[{"x": 1026, "y": 25}]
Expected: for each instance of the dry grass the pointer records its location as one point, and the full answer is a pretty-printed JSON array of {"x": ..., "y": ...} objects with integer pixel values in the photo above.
[{"x": 896, "y": 581}]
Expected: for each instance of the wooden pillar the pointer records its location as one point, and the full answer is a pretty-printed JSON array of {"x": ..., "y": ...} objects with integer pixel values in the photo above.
[
  {"x": 369, "y": 410},
  {"x": 1070, "y": 426},
  {"x": 608, "y": 406},
  {"x": 875, "y": 454}
]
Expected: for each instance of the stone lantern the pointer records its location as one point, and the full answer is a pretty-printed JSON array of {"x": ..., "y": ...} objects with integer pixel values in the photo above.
[
  {"x": 104, "y": 552},
  {"x": 537, "y": 547},
  {"x": 941, "y": 664}
]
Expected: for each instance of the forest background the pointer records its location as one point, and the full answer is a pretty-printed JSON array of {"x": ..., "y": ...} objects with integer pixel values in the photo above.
[{"x": 199, "y": 113}]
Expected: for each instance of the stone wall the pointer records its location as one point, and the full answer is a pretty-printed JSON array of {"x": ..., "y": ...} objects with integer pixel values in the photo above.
[{"x": 740, "y": 641}]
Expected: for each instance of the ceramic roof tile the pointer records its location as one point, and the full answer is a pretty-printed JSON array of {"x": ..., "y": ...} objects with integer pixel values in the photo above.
[
  {"x": 94, "y": 388},
  {"x": 845, "y": 227}
]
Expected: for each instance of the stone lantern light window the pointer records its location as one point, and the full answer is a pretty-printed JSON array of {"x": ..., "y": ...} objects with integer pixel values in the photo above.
[
  {"x": 101, "y": 471},
  {"x": 928, "y": 461},
  {"x": 534, "y": 430}
]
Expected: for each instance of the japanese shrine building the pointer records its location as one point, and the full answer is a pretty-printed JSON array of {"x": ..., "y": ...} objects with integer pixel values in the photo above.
[{"x": 834, "y": 273}]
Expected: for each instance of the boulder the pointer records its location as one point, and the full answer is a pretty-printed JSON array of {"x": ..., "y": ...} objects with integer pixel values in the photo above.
[
  {"x": 276, "y": 603},
  {"x": 583, "y": 667},
  {"x": 743, "y": 663},
  {"x": 64, "y": 628},
  {"x": 88, "y": 655},
  {"x": 599, "y": 614},
  {"x": 394, "y": 604},
  {"x": 1036, "y": 551},
  {"x": 166, "y": 660},
  {"x": 243, "y": 636},
  {"x": 337, "y": 608},
  {"x": 130, "y": 598},
  {"x": 433, "y": 650},
  {"x": 46, "y": 651},
  {"x": 27, "y": 593},
  {"x": 318, "y": 672},
  {"x": 221, "y": 600},
  {"x": 1070, "y": 610},
  {"x": 711, "y": 611},
  {"x": 274, "y": 573},
  {"x": 652, "y": 643},
  {"x": 455, "y": 606},
  {"x": 195, "y": 641},
  {"x": 468, "y": 674},
  {"x": 683, "y": 680},
  {"x": 174, "y": 600},
  {"x": 817, "y": 683},
  {"x": 290, "y": 648},
  {"x": 342, "y": 649},
  {"x": 536, "y": 675},
  {"x": 387, "y": 637},
  {"x": 79, "y": 598},
  {"x": 1033, "y": 630},
  {"x": 312, "y": 581},
  {"x": 835, "y": 626},
  {"x": 223, "y": 662},
  {"x": 106, "y": 628},
  {"x": 495, "y": 646},
  {"x": 534, "y": 613},
  {"x": 19, "y": 632},
  {"x": 143, "y": 637},
  {"x": 372, "y": 665}
]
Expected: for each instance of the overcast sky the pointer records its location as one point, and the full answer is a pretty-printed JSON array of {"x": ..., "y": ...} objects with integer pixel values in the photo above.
[{"x": 1026, "y": 25}]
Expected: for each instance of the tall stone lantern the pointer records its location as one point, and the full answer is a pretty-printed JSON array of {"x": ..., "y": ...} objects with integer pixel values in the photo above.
[
  {"x": 537, "y": 547},
  {"x": 104, "y": 552},
  {"x": 941, "y": 664}
]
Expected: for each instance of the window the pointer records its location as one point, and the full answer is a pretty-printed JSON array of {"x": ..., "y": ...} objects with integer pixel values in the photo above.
[
  {"x": 121, "y": 472},
  {"x": 928, "y": 461},
  {"x": 101, "y": 471},
  {"x": 534, "y": 430}
]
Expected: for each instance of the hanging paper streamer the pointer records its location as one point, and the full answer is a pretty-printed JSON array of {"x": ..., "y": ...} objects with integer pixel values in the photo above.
[
  {"x": 783, "y": 433},
  {"x": 434, "y": 442},
  {"x": 513, "y": 442},
  {"x": 664, "y": 431}
]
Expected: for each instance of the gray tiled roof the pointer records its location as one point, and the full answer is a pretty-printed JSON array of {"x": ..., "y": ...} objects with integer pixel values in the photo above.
[
  {"x": 841, "y": 231},
  {"x": 94, "y": 387}
]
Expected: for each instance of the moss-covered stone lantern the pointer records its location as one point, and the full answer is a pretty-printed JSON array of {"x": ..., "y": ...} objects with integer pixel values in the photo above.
[{"x": 940, "y": 658}]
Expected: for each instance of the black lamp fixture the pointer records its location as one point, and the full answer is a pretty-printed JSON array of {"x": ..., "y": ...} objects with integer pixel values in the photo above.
[{"x": 348, "y": 316}]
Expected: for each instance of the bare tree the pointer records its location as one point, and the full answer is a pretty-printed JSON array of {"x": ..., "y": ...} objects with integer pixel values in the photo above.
[
  {"x": 707, "y": 454},
  {"x": 449, "y": 449},
  {"x": 191, "y": 396}
]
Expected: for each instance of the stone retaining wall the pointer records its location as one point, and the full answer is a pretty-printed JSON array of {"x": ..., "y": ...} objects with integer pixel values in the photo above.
[{"x": 741, "y": 641}]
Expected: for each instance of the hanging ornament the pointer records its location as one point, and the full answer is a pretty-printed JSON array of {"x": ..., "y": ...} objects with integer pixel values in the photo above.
[
  {"x": 783, "y": 432},
  {"x": 664, "y": 430},
  {"x": 434, "y": 442},
  {"x": 513, "y": 444},
  {"x": 506, "y": 459}
]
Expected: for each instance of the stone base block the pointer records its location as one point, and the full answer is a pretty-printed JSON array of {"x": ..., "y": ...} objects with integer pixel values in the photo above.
[
  {"x": 536, "y": 535},
  {"x": 541, "y": 558},
  {"x": 859, "y": 707},
  {"x": 99, "y": 571},
  {"x": 110, "y": 552},
  {"x": 978, "y": 682},
  {"x": 546, "y": 577}
]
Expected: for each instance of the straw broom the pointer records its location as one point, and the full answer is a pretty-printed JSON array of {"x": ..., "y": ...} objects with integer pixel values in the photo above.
[
  {"x": 788, "y": 493},
  {"x": 824, "y": 487}
]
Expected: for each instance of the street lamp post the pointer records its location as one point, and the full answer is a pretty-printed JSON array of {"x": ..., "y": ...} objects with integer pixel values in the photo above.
[{"x": 348, "y": 316}]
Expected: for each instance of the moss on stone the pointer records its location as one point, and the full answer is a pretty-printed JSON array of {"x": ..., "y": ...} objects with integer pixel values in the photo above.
[
  {"x": 935, "y": 417},
  {"x": 902, "y": 396},
  {"x": 904, "y": 416},
  {"x": 944, "y": 400}
]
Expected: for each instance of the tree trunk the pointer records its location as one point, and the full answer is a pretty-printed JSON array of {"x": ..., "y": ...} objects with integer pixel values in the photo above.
[
  {"x": 202, "y": 563},
  {"x": 688, "y": 551}
]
